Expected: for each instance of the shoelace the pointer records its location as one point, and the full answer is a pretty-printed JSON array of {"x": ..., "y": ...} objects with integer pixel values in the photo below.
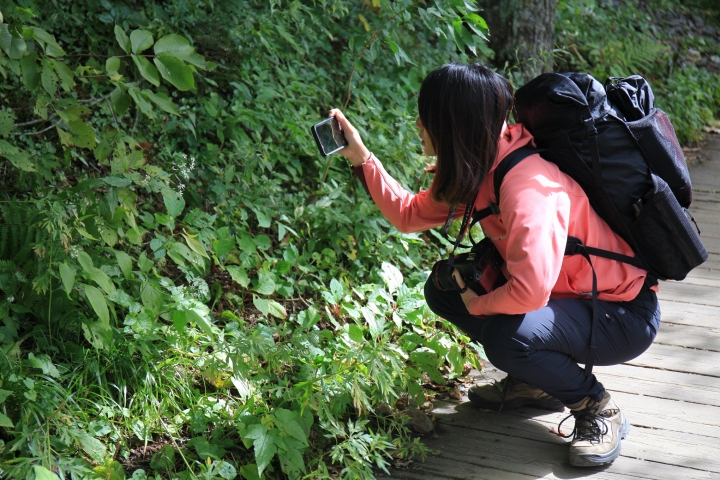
[
  {"x": 506, "y": 386},
  {"x": 589, "y": 426}
]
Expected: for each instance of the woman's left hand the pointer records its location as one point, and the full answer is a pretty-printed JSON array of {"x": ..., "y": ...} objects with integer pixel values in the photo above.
[{"x": 469, "y": 293}]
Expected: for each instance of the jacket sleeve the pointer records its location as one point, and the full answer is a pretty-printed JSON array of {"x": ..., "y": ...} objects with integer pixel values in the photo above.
[
  {"x": 535, "y": 210},
  {"x": 408, "y": 212}
]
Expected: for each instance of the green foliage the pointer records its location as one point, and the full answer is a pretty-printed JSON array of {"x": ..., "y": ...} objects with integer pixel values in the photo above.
[
  {"x": 622, "y": 39},
  {"x": 181, "y": 273}
]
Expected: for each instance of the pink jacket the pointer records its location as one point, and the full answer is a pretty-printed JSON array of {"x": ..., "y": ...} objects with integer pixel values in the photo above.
[{"x": 540, "y": 206}]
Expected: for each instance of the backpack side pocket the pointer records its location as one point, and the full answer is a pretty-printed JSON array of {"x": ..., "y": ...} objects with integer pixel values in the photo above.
[{"x": 667, "y": 240}]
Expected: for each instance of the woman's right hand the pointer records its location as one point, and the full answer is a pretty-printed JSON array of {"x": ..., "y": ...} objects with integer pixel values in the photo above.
[{"x": 355, "y": 151}]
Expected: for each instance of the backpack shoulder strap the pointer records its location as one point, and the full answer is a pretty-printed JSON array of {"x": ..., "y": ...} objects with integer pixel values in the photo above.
[{"x": 505, "y": 165}]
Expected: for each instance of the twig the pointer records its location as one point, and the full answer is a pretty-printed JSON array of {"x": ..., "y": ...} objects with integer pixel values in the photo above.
[
  {"x": 137, "y": 114},
  {"x": 90, "y": 102},
  {"x": 35, "y": 122},
  {"x": 39, "y": 131},
  {"x": 117, "y": 124},
  {"x": 372, "y": 38}
]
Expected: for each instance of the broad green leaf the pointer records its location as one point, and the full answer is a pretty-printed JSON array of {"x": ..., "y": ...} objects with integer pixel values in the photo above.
[
  {"x": 264, "y": 444},
  {"x": 83, "y": 134},
  {"x": 112, "y": 470},
  {"x": 6, "y": 422},
  {"x": 355, "y": 333},
  {"x": 147, "y": 70},
  {"x": 125, "y": 263},
  {"x": 140, "y": 40},
  {"x": 73, "y": 112},
  {"x": 152, "y": 297},
  {"x": 98, "y": 303},
  {"x": 85, "y": 233},
  {"x": 67, "y": 274},
  {"x": 98, "y": 334},
  {"x": 263, "y": 220},
  {"x": 102, "y": 279},
  {"x": 109, "y": 236},
  {"x": 122, "y": 298},
  {"x": 112, "y": 64},
  {"x": 122, "y": 39},
  {"x": 201, "y": 320},
  {"x": 206, "y": 449},
  {"x": 14, "y": 47},
  {"x": 42, "y": 473},
  {"x": 51, "y": 46},
  {"x": 90, "y": 445},
  {"x": 269, "y": 307},
  {"x": 117, "y": 181},
  {"x": 250, "y": 472},
  {"x": 225, "y": 470},
  {"x": 17, "y": 157},
  {"x": 44, "y": 363},
  {"x": 287, "y": 422},
  {"x": 337, "y": 290},
  {"x": 30, "y": 71},
  {"x": 262, "y": 242},
  {"x": 67, "y": 77},
  {"x": 120, "y": 101},
  {"x": 163, "y": 459},
  {"x": 162, "y": 101},
  {"x": 180, "y": 320},
  {"x": 223, "y": 244},
  {"x": 174, "y": 204},
  {"x": 7, "y": 120},
  {"x": 238, "y": 275},
  {"x": 48, "y": 78},
  {"x": 392, "y": 276},
  {"x": 142, "y": 102},
  {"x": 174, "y": 45},
  {"x": 195, "y": 245},
  {"x": 85, "y": 261},
  {"x": 65, "y": 137},
  {"x": 4, "y": 394},
  {"x": 176, "y": 72},
  {"x": 266, "y": 287}
]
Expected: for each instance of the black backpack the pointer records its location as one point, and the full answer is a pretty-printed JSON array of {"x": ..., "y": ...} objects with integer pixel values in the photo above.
[{"x": 625, "y": 155}]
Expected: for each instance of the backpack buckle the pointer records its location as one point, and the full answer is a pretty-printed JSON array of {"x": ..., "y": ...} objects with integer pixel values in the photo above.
[
  {"x": 589, "y": 123},
  {"x": 590, "y": 126}
]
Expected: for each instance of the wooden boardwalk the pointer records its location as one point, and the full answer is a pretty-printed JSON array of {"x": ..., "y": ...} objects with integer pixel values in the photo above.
[{"x": 670, "y": 394}]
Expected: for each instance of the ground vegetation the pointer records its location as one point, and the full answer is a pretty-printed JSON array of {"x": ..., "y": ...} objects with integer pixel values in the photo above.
[{"x": 188, "y": 289}]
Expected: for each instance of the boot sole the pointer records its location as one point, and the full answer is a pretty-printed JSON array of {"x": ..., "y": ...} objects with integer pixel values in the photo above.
[
  {"x": 516, "y": 403},
  {"x": 599, "y": 460}
]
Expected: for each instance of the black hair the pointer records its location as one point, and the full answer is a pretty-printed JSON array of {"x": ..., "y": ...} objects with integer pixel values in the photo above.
[{"x": 463, "y": 108}]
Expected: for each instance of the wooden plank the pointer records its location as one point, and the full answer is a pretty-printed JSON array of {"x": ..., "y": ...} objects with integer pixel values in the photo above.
[
  {"x": 654, "y": 445},
  {"x": 702, "y": 338},
  {"x": 441, "y": 468},
  {"x": 688, "y": 313},
  {"x": 697, "y": 294},
  {"x": 482, "y": 449},
  {"x": 647, "y": 408},
  {"x": 660, "y": 384},
  {"x": 678, "y": 359},
  {"x": 704, "y": 275}
]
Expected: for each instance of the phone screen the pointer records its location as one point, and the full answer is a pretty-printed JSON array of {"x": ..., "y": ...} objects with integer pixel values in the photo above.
[{"x": 328, "y": 136}]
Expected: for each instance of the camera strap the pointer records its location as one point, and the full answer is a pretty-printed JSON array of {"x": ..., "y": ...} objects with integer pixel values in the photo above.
[{"x": 469, "y": 208}]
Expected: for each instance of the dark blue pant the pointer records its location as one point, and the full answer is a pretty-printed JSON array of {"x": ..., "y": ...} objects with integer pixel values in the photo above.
[{"x": 544, "y": 347}]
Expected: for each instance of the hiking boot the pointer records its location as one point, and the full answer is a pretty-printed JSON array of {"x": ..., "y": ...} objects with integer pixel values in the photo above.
[
  {"x": 599, "y": 427},
  {"x": 511, "y": 393}
]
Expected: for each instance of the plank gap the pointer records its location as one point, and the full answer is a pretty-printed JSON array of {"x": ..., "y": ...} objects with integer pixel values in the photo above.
[{"x": 669, "y": 370}]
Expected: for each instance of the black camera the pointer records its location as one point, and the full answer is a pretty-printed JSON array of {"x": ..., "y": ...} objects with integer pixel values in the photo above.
[{"x": 481, "y": 268}]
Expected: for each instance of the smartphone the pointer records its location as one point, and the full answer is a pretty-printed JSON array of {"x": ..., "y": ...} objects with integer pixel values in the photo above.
[{"x": 328, "y": 136}]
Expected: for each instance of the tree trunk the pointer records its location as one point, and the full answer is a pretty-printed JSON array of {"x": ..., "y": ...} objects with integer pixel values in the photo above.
[{"x": 521, "y": 34}]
